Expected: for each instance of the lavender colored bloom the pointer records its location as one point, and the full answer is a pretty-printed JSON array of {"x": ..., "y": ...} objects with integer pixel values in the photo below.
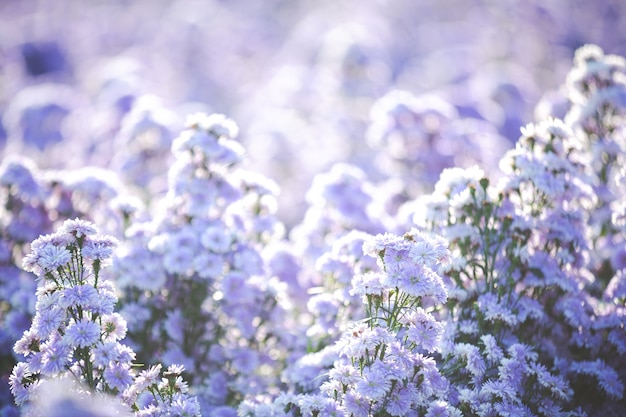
[
  {"x": 51, "y": 257},
  {"x": 107, "y": 298},
  {"x": 118, "y": 375},
  {"x": 19, "y": 174},
  {"x": 78, "y": 228},
  {"x": 245, "y": 361},
  {"x": 420, "y": 281},
  {"x": 83, "y": 333},
  {"x": 216, "y": 238},
  {"x": 370, "y": 283},
  {"x": 374, "y": 384},
  {"x": 105, "y": 353},
  {"x": 492, "y": 351},
  {"x": 356, "y": 405},
  {"x": 179, "y": 261},
  {"x": 209, "y": 265},
  {"x": 438, "y": 409},
  {"x": 99, "y": 248},
  {"x": 113, "y": 326},
  {"x": 48, "y": 320},
  {"x": 472, "y": 358},
  {"x": 186, "y": 406},
  {"x": 28, "y": 343},
  {"x": 55, "y": 357},
  {"x": 83, "y": 295},
  {"x": 399, "y": 401},
  {"x": 423, "y": 329},
  {"x": 20, "y": 383}
]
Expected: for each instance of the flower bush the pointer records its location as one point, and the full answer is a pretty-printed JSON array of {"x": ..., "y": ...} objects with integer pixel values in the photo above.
[
  {"x": 76, "y": 333},
  {"x": 443, "y": 267}
]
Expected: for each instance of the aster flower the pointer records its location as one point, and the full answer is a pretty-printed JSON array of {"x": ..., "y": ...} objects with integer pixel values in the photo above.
[
  {"x": 83, "y": 333},
  {"x": 113, "y": 326},
  {"x": 423, "y": 329},
  {"x": 75, "y": 332},
  {"x": 79, "y": 228}
]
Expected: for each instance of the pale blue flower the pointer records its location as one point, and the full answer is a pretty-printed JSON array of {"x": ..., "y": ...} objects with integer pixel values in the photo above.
[
  {"x": 83, "y": 295},
  {"x": 83, "y": 333},
  {"x": 55, "y": 357},
  {"x": 118, "y": 375}
]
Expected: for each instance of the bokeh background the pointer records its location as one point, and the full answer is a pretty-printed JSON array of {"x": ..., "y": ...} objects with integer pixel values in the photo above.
[{"x": 110, "y": 83}]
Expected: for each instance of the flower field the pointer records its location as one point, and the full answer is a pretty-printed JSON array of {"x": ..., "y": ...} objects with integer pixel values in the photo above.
[{"x": 292, "y": 208}]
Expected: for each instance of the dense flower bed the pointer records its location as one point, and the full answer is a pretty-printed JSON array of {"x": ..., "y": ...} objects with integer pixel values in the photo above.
[{"x": 445, "y": 272}]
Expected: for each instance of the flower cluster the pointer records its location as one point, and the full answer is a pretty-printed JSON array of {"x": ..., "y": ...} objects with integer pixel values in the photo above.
[
  {"x": 421, "y": 281},
  {"x": 194, "y": 281},
  {"x": 526, "y": 277},
  {"x": 76, "y": 333},
  {"x": 381, "y": 364}
]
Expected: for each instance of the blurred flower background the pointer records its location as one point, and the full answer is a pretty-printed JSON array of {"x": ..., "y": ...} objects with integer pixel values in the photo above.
[
  {"x": 109, "y": 83},
  {"x": 272, "y": 171}
]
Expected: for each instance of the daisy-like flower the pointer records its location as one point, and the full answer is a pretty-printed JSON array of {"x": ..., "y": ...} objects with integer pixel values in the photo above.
[
  {"x": 346, "y": 374},
  {"x": 118, "y": 375},
  {"x": 113, "y": 326},
  {"x": 28, "y": 343},
  {"x": 83, "y": 295},
  {"x": 184, "y": 406},
  {"x": 51, "y": 257},
  {"x": 148, "y": 377},
  {"x": 491, "y": 351},
  {"x": 105, "y": 353},
  {"x": 374, "y": 384},
  {"x": 99, "y": 248},
  {"x": 423, "y": 329},
  {"x": 399, "y": 401},
  {"x": 83, "y": 333},
  {"x": 178, "y": 260},
  {"x": 370, "y": 283},
  {"x": 78, "y": 228},
  {"x": 48, "y": 320},
  {"x": 208, "y": 265},
  {"x": 356, "y": 405},
  {"x": 55, "y": 357},
  {"x": 20, "y": 383},
  {"x": 216, "y": 238}
]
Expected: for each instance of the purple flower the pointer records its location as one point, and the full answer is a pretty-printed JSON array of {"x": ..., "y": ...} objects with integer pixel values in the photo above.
[
  {"x": 118, "y": 375},
  {"x": 216, "y": 238},
  {"x": 356, "y": 405},
  {"x": 78, "y": 228},
  {"x": 83, "y": 295},
  {"x": 107, "y": 298},
  {"x": 51, "y": 257},
  {"x": 179, "y": 260},
  {"x": 492, "y": 351},
  {"x": 438, "y": 409},
  {"x": 20, "y": 384},
  {"x": 423, "y": 329},
  {"x": 374, "y": 384},
  {"x": 209, "y": 265},
  {"x": 113, "y": 326},
  {"x": 399, "y": 401},
  {"x": 99, "y": 248},
  {"x": 83, "y": 333},
  {"x": 48, "y": 320},
  {"x": 20, "y": 175},
  {"x": 55, "y": 357},
  {"x": 472, "y": 359},
  {"x": 105, "y": 353},
  {"x": 28, "y": 343}
]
